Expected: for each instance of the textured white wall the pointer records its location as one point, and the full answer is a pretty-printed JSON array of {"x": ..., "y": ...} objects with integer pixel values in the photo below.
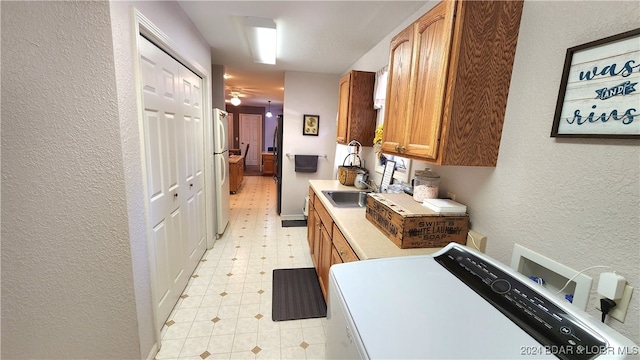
[
  {"x": 74, "y": 258},
  {"x": 172, "y": 21},
  {"x": 67, "y": 285},
  {"x": 0, "y": 203},
  {"x": 575, "y": 201},
  {"x": 315, "y": 94}
]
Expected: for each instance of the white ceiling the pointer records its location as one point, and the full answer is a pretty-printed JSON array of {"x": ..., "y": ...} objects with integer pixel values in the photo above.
[{"x": 313, "y": 36}]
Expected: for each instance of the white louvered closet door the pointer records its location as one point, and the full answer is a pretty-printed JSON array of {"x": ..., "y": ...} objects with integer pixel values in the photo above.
[{"x": 173, "y": 138}]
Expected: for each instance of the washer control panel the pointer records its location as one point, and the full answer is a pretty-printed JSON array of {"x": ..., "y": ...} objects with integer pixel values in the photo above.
[{"x": 561, "y": 333}]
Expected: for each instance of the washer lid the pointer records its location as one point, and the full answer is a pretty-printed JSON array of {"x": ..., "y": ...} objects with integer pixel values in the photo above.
[
  {"x": 413, "y": 308},
  {"x": 458, "y": 303}
]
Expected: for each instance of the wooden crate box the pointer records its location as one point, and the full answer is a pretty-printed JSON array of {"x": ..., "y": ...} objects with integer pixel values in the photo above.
[{"x": 408, "y": 224}]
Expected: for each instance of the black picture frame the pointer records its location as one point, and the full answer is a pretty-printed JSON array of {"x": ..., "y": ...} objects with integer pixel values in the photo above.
[
  {"x": 597, "y": 96},
  {"x": 310, "y": 125}
]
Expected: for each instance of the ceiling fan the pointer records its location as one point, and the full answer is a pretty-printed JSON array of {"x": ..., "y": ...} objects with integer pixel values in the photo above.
[{"x": 254, "y": 95}]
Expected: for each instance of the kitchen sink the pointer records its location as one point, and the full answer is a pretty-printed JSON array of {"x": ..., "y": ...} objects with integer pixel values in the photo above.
[{"x": 347, "y": 198}]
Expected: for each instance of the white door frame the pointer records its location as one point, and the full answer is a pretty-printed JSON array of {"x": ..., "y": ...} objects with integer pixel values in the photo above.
[{"x": 142, "y": 25}]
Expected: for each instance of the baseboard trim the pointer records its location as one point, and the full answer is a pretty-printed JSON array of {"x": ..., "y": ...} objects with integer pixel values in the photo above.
[{"x": 153, "y": 352}]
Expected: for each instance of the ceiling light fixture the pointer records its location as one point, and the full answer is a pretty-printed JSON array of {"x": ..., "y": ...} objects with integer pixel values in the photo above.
[
  {"x": 261, "y": 34},
  {"x": 235, "y": 99},
  {"x": 269, "y": 114}
]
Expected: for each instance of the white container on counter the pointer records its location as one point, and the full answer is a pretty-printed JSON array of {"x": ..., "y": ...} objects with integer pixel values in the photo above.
[{"x": 426, "y": 185}]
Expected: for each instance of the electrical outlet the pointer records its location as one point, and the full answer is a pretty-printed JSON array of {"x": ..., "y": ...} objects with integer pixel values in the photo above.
[
  {"x": 479, "y": 241},
  {"x": 451, "y": 195},
  {"x": 622, "y": 305}
]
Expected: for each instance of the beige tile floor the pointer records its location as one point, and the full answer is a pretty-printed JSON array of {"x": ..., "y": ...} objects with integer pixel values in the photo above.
[{"x": 225, "y": 311}]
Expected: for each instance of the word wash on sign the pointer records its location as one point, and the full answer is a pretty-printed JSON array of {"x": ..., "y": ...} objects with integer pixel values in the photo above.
[{"x": 606, "y": 93}]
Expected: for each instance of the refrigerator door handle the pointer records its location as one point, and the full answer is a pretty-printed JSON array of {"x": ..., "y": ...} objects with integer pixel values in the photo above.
[
  {"x": 220, "y": 142},
  {"x": 221, "y": 168}
]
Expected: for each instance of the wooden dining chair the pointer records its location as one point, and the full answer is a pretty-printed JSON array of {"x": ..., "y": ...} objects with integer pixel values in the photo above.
[{"x": 246, "y": 152}]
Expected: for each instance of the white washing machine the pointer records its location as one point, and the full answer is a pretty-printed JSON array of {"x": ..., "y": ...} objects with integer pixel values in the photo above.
[{"x": 456, "y": 304}]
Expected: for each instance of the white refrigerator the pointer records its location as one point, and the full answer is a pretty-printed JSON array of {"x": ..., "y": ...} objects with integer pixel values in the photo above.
[{"x": 219, "y": 161}]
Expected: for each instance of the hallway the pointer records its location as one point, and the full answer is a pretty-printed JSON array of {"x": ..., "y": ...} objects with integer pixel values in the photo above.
[{"x": 225, "y": 311}]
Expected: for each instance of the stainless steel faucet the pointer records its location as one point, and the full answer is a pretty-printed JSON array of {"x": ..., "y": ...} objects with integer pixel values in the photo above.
[{"x": 373, "y": 188}]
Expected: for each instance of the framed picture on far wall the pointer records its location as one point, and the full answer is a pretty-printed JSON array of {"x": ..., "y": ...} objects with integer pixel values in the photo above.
[{"x": 310, "y": 125}]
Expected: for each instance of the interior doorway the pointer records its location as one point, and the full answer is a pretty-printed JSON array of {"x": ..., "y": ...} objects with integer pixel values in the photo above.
[{"x": 250, "y": 139}]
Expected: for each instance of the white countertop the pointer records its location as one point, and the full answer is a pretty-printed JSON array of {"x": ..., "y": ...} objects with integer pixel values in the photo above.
[{"x": 366, "y": 240}]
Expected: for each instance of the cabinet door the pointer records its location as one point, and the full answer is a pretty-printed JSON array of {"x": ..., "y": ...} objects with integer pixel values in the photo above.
[
  {"x": 343, "y": 108},
  {"x": 268, "y": 163},
  {"x": 397, "y": 112},
  {"x": 233, "y": 177},
  {"x": 356, "y": 115},
  {"x": 335, "y": 257},
  {"x": 311, "y": 231},
  {"x": 310, "y": 228},
  {"x": 432, "y": 43},
  {"x": 342, "y": 247},
  {"x": 325, "y": 260},
  {"x": 419, "y": 56},
  {"x": 317, "y": 235}
]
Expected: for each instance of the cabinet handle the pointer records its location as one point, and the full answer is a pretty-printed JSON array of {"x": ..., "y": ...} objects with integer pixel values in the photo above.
[
  {"x": 400, "y": 148},
  {"x": 175, "y": 195},
  {"x": 341, "y": 252},
  {"x": 190, "y": 185}
]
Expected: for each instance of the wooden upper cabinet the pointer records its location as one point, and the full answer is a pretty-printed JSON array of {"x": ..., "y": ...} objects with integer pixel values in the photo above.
[
  {"x": 449, "y": 75},
  {"x": 398, "y": 93},
  {"x": 356, "y": 115}
]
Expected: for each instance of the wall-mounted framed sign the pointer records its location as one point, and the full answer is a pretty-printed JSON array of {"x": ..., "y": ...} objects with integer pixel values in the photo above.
[{"x": 599, "y": 94}]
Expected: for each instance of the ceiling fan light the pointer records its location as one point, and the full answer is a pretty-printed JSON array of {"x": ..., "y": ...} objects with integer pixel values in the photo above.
[
  {"x": 235, "y": 100},
  {"x": 261, "y": 34}
]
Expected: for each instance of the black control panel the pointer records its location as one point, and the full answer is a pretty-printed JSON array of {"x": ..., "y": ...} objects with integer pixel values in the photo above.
[{"x": 559, "y": 333}]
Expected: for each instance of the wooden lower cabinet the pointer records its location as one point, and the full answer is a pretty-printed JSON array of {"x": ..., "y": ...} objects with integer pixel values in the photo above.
[
  {"x": 327, "y": 244},
  {"x": 236, "y": 172},
  {"x": 268, "y": 164}
]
